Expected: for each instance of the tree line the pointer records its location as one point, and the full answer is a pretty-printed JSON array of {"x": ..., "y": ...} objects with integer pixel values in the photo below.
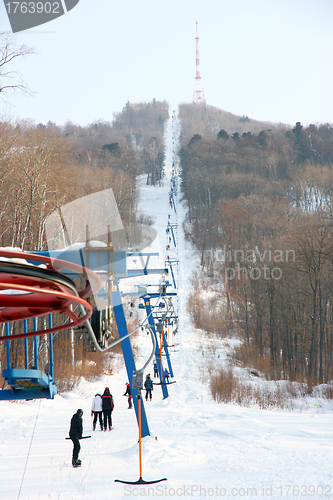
[
  {"x": 260, "y": 213},
  {"x": 42, "y": 167}
]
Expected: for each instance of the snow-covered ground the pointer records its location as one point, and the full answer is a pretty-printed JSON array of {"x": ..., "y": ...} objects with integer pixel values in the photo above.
[{"x": 204, "y": 449}]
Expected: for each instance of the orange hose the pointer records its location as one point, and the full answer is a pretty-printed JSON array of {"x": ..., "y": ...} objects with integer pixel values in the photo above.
[
  {"x": 139, "y": 417},
  {"x": 161, "y": 345}
]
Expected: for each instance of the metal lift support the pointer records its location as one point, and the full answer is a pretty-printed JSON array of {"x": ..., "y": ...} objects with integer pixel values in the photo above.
[
  {"x": 170, "y": 262},
  {"x": 98, "y": 259},
  {"x": 173, "y": 201},
  {"x": 149, "y": 311},
  {"x": 128, "y": 354},
  {"x": 28, "y": 383},
  {"x": 171, "y": 227},
  {"x": 157, "y": 350}
]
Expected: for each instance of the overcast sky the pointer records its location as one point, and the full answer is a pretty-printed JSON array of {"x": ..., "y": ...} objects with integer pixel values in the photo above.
[{"x": 267, "y": 59}]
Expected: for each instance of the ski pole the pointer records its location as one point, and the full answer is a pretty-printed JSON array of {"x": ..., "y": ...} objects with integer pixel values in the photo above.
[{"x": 83, "y": 437}]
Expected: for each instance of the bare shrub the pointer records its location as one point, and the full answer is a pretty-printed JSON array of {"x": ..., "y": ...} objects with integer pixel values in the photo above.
[
  {"x": 208, "y": 314},
  {"x": 145, "y": 220},
  {"x": 222, "y": 386},
  {"x": 67, "y": 377},
  {"x": 226, "y": 387},
  {"x": 196, "y": 310},
  {"x": 249, "y": 356}
]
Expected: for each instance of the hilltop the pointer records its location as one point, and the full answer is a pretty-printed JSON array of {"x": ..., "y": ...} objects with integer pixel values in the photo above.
[{"x": 207, "y": 121}]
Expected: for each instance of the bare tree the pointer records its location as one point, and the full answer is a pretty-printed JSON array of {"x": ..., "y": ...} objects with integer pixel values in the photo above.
[{"x": 10, "y": 79}]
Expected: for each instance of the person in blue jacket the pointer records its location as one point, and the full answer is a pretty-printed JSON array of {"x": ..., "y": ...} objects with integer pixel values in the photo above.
[
  {"x": 148, "y": 387},
  {"x": 166, "y": 375}
]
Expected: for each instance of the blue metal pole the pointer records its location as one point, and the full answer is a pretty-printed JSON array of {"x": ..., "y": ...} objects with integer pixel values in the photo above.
[
  {"x": 157, "y": 348},
  {"x": 174, "y": 205},
  {"x": 26, "y": 361},
  {"x": 173, "y": 236},
  {"x": 51, "y": 347},
  {"x": 128, "y": 355},
  {"x": 165, "y": 345},
  {"x": 7, "y": 346},
  {"x": 173, "y": 277},
  {"x": 35, "y": 344}
]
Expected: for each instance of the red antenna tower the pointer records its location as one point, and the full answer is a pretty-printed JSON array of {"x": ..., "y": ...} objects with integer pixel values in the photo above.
[{"x": 198, "y": 94}]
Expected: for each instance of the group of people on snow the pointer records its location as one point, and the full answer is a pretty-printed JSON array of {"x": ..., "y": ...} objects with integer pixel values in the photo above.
[
  {"x": 101, "y": 410},
  {"x": 166, "y": 372},
  {"x": 102, "y": 407}
]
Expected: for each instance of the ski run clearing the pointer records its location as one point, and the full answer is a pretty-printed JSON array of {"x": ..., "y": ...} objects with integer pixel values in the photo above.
[{"x": 204, "y": 449}]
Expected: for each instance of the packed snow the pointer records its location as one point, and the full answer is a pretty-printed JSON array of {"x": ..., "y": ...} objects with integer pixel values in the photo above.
[{"x": 203, "y": 449}]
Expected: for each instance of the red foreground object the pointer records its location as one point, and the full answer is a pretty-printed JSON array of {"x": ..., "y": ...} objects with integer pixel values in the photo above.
[{"x": 28, "y": 291}]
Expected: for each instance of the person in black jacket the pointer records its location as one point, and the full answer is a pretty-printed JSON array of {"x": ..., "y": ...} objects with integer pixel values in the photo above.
[
  {"x": 75, "y": 433},
  {"x": 148, "y": 387},
  {"x": 107, "y": 405},
  {"x": 129, "y": 394}
]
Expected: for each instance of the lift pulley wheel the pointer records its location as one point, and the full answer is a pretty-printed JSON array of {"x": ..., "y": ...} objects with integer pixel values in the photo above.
[{"x": 28, "y": 291}]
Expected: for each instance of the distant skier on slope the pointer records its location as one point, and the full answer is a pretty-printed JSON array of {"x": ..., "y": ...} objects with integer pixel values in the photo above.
[
  {"x": 166, "y": 375},
  {"x": 129, "y": 394},
  {"x": 75, "y": 434}
]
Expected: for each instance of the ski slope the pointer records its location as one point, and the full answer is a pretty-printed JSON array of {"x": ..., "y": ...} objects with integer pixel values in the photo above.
[{"x": 204, "y": 449}]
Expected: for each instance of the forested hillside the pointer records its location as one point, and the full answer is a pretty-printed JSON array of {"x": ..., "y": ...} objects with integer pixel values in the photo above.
[
  {"x": 260, "y": 213},
  {"x": 208, "y": 121}
]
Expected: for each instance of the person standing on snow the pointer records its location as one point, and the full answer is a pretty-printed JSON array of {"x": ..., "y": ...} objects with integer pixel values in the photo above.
[
  {"x": 97, "y": 411},
  {"x": 148, "y": 387},
  {"x": 166, "y": 375},
  {"x": 75, "y": 434},
  {"x": 107, "y": 405},
  {"x": 155, "y": 370},
  {"x": 129, "y": 394}
]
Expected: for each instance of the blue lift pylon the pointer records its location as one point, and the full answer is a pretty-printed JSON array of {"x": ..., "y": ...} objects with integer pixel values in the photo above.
[
  {"x": 159, "y": 344},
  {"x": 170, "y": 228},
  {"x": 29, "y": 382}
]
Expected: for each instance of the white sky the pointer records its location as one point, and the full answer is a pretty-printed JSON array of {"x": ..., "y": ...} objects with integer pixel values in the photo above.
[{"x": 267, "y": 59}]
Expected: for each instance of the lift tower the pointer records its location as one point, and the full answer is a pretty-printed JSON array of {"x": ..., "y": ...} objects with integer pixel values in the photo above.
[{"x": 198, "y": 94}]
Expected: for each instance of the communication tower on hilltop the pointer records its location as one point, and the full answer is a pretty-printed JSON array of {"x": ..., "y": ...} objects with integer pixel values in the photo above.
[{"x": 198, "y": 94}]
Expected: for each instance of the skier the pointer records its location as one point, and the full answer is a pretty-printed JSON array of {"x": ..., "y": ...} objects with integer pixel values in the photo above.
[
  {"x": 155, "y": 370},
  {"x": 148, "y": 387},
  {"x": 107, "y": 405},
  {"x": 129, "y": 394},
  {"x": 97, "y": 411},
  {"x": 166, "y": 375},
  {"x": 75, "y": 433}
]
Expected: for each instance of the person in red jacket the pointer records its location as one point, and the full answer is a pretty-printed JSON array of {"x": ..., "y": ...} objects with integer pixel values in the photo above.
[
  {"x": 128, "y": 393},
  {"x": 107, "y": 406}
]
